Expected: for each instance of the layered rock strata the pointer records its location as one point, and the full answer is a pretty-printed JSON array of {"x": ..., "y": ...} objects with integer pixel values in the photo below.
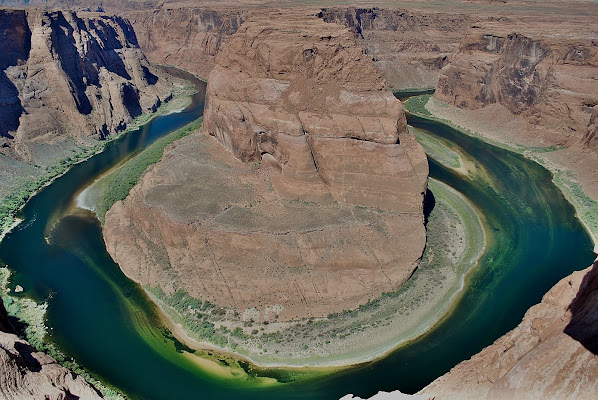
[
  {"x": 187, "y": 37},
  {"x": 305, "y": 200},
  {"x": 551, "y": 354},
  {"x": 408, "y": 47},
  {"x": 26, "y": 373},
  {"x": 70, "y": 78},
  {"x": 549, "y": 81}
]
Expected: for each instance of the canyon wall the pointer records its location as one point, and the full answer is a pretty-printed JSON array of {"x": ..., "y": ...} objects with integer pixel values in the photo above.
[
  {"x": 26, "y": 373},
  {"x": 309, "y": 181},
  {"x": 548, "y": 80},
  {"x": 551, "y": 354},
  {"x": 408, "y": 47},
  {"x": 187, "y": 37},
  {"x": 63, "y": 74},
  {"x": 66, "y": 81}
]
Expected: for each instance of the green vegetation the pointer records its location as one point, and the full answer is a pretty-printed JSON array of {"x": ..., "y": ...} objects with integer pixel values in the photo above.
[
  {"x": 587, "y": 209},
  {"x": 13, "y": 202},
  {"x": 438, "y": 150},
  {"x": 32, "y": 315},
  {"x": 19, "y": 196},
  {"x": 417, "y": 105},
  {"x": 116, "y": 185},
  {"x": 195, "y": 316}
]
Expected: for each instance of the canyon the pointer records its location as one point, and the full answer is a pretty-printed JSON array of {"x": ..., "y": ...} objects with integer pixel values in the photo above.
[{"x": 302, "y": 144}]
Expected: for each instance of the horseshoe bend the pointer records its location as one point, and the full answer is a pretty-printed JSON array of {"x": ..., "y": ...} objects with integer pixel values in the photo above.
[
  {"x": 224, "y": 199},
  {"x": 301, "y": 197}
]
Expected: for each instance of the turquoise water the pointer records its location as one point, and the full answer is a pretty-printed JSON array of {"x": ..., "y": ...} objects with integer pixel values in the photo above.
[{"x": 108, "y": 325}]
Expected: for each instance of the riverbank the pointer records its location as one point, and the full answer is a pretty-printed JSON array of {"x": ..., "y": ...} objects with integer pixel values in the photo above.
[
  {"x": 117, "y": 182},
  {"x": 31, "y": 317},
  {"x": 27, "y": 188},
  {"x": 560, "y": 161}
]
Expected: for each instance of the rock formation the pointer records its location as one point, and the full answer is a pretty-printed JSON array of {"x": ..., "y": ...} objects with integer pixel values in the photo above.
[
  {"x": 26, "y": 373},
  {"x": 317, "y": 205},
  {"x": 549, "y": 81},
  {"x": 551, "y": 354},
  {"x": 408, "y": 47},
  {"x": 188, "y": 37},
  {"x": 66, "y": 81}
]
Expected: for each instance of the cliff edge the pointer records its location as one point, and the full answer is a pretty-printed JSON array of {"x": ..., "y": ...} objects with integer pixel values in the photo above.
[{"x": 551, "y": 354}]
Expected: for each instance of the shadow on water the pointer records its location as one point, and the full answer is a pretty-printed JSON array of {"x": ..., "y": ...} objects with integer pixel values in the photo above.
[{"x": 429, "y": 204}]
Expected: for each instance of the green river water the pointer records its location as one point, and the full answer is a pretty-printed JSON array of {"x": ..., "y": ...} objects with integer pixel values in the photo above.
[{"x": 107, "y": 323}]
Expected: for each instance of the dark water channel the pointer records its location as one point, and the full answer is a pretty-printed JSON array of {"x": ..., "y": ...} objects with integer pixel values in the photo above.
[{"x": 108, "y": 325}]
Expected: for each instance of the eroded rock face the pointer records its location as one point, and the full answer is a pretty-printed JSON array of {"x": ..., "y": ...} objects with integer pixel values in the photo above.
[
  {"x": 551, "y": 354},
  {"x": 187, "y": 37},
  {"x": 297, "y": 204},
  {"x": 408, "y": 47},
  {"x": 67, "y": 76},
  {"x": 26, "y": 373},
  {"x": 549, "y": 81},
  {"x": 306, "y": 97}
]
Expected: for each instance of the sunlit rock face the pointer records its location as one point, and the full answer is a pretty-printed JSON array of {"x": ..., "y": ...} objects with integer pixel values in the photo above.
[
  {"x": 302, "y": 197},
  {"x": 68, "y": 75}
]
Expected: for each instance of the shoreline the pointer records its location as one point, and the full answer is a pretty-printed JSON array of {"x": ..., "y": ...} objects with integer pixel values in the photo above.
[
  {"x": 433, "y": 105},
  {"x": 97, "y": 148}
]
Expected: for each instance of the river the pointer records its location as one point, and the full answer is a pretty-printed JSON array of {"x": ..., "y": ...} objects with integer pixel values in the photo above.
[{"x": 107, "y": 323}]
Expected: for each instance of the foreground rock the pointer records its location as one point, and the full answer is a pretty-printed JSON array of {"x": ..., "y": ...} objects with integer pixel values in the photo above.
[
  {"x": 68, "y": 80},
  {"x": 550, "y": 355},
  {"x": 26, "y": 373},
  {"x": 315, "y": 208}
]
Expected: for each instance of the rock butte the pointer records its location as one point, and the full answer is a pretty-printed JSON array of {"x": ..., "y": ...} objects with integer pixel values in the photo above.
[{"x": 315, "y": 208}]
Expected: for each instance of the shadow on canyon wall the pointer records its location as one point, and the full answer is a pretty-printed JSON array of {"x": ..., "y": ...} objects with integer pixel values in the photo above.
[{"x": 583, "y": 326}]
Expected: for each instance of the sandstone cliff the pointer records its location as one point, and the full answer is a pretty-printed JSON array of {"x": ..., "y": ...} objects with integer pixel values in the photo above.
[
  {"x": 26, "y": 373},
  {"x": 548, "y": 80},
  {"x": 408, "y": 47},
  {"x": 187, "y": 37},
  {"x": 303, "y": 214},
  {"x": 66, "y": 81},
  {"x": 552, "y": 354}
]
